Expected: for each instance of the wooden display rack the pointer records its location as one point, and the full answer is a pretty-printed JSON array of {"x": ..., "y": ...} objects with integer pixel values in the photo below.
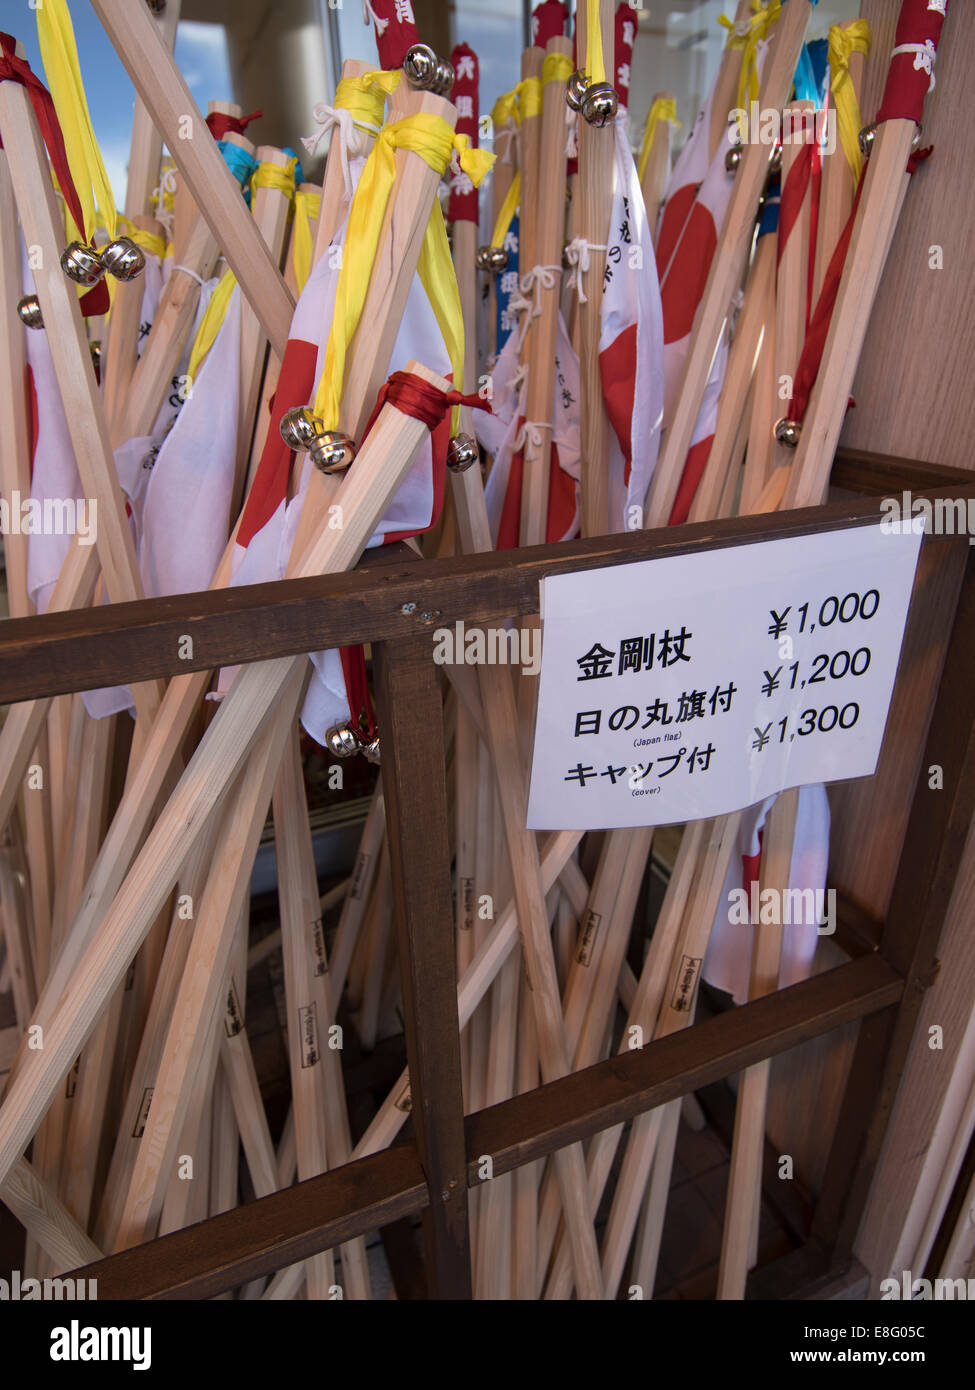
[{"x": 395, "y": 605}]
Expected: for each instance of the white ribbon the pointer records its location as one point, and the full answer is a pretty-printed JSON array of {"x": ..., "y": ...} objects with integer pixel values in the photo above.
[
  {"x": 531, "y": 433},
  {"x": 191, "y": 273},
  {"x": 351, "y": 142},
  {"x": 543, "y": 277},
  {"x": 369, "y": 13},
  {"x": 167, "y": 184},
  {"x": 508, "y": 132},
  {"x": 577, "y": 254},
  {"x": 924, "y": 57}
]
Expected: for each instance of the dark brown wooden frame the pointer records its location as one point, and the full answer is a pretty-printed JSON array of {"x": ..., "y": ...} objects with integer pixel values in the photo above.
[{"x": 396, "y": 606}]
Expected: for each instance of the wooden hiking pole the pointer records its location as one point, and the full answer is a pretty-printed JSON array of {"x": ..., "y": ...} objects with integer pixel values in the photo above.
[
  {"x": 16, "y": 932},
  {"x": 643, "y": 1016},
  {"x": 728, "y": 260},
  {"x": 746, "y": 344},
  {"x": 542, "y": 330},
  {"x": 592, "y": 200},
  {"x": 724, "y": 93},
  {"x": 471, "y": 990},
  {"x": 838, "y": 184},
  {"x": 677, "y": 1011},
  {"x": 744, "y": 1178},
  {"x": 43, "y": 227},
  {"x": 765, "y": 403},
  {"x": 272, "y": 201},
  {"x": 655, "y": 169},
  {"x": 162, "y": 88},
  {"x": 381, "y": 465},
  {"x": 142, "y": 178}
]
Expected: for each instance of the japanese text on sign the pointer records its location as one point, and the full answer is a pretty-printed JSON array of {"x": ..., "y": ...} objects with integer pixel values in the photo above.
[{"x": 695, "y": 685}]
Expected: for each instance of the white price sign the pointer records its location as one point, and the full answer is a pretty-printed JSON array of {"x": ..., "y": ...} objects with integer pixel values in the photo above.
[{"x": 696, "y": 685}]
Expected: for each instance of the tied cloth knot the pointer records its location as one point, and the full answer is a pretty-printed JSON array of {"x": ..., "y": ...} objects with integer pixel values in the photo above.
[
  {"x": 924, "y": 57},
  {"x": 505, "y": 117},
  {"x": 529, "y": 97},
  {"x": 662, "y": 109},
  {"x": 357, "y": 114},
  {"x": 14, "y": 69},
  {"x": 542, "y": 277},
  {"x": 431, "y": 138},
  {"x": 577, "y": 254},
  {"x": 423, "y": 401},
  {"x": 221, "y": 124},
  {"x": 280, "y": 177},
  {"x": 531, "y": 433},
  {"x": 149, "y": 242},
  {"x": 843, "y": 43},
  {"x": 746, "y": 35},
  {"x": 369, "y": 13},
  {"x": 557, "y": 67}
]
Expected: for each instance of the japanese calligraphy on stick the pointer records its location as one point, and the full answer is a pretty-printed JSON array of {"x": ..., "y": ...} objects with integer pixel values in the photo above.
[{"x": 697, "y": 685}]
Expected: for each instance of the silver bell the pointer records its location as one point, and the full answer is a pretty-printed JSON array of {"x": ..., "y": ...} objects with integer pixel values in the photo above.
[
  {"x": 482, "y": 258},
  {"x": 29, "y": 310},
  {"x": 732, "y": 157},
  {"x": 123, "y": 259},
  {"x": 370, "y": 751},
  {"x": 420, "y": 66},
  {"x": 576, "y": 89},
  {"x": 82, "y": 264},
  {"x": 600, "y": 105},
  {"x": 443, "y": 78},
  {"x": 341, "y": 742},
  {"x": 157, "y": 6},
  {"x": 95, "y": 348},
  {"x": 775, "y": 163},
  {"x": 299, "y": 427},
  {"x": 331, "y": 451},
  {"x": 787, "y": 432},
  {"x": 461, "y": 453}
]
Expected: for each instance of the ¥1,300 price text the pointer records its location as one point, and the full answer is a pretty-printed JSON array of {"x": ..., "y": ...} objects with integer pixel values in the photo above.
[{"x": 810, "y": 721}]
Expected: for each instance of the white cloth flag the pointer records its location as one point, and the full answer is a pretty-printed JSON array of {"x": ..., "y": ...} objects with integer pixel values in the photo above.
[
  {"x": 728, "y": 962},
  {"x": 631, "y": 343}
]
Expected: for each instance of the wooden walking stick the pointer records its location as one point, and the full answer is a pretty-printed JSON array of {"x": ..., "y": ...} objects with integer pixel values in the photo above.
[
  {"x": 848, "y": 47},
  {"x": 654, "y": 162},
  {"x": 728, "y": 260},
  {"x": 321, "y": 1120},
  {"x": 163, "y": 90},
  {"x": 43, "y": 227},
  {"x": 593, "y": 197},
  {"x": 744, "y": 1179},
  {"x": 381, "y": 465}
]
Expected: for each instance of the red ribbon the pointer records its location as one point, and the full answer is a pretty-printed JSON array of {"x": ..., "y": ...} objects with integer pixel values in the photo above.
[
  {"x": 221, "y": 124},
  {"x": 417, "y": 398},
  {"x": 14, "y": 69}
]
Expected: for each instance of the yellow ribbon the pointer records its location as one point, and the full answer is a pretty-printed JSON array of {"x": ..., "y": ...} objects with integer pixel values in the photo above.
[
  {"x": 365, "y": 97},
  {"x": 278, "y": 176},
  {"x": 662, "y": 109},
  {"x": 152, "y": 244},
  {"x": 430, "y": 137},
  {"x": 529, "y": 99},
  {"x": 747, "y": 36},
  {"x": 505, "y": 109},
  {"x": 843, "y": 43},
  {"x": 308, "y": 207},
  {"x": 595, "y": 64},
  {"x": 435, "y": 268},
  {"x": 60, "y": 57},
  {"x": 211, "y": 323},
  {"x": 507, "y": 210},
  {"x": 557, "y": 67}
]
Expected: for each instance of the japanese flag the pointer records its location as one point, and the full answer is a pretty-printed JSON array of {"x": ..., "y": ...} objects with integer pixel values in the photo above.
[
  {"x": 631, "y": 342},
  {"x": 504, "y": 434},
  {"x": 54, "y": 473},
  {"x": 687, "y": 175},
  {"x": 270, "y": 518},
  {"x": 728, "y": 962}
]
